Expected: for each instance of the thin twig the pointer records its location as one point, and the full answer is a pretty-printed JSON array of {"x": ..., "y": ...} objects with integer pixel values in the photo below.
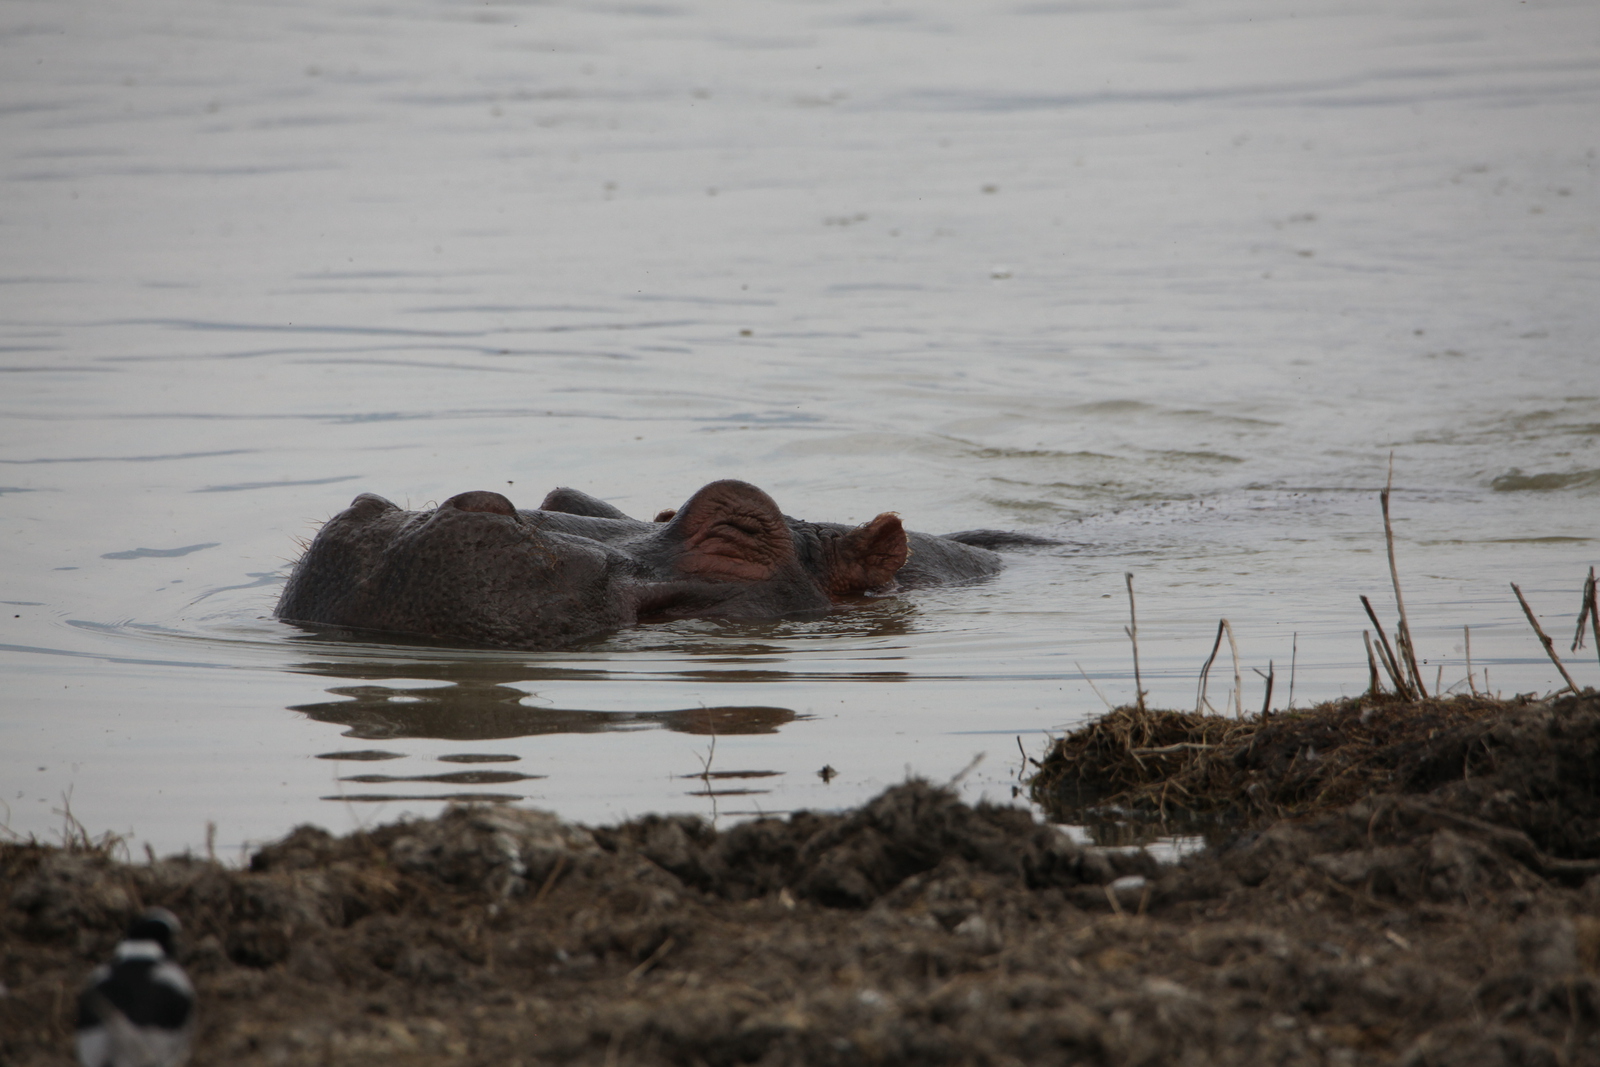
[
  {"x": 1200, "y": 696},
  {"x": 1583, "y": 613},
  {"x": 1472, "y": 685},
  {"x": 1408, "y": 646},
  {"x": 971, "y": 766},
  {"x": 1096, "y": 688},
  {"x": 1408, "y": 660},
  {"x": 1594, "y": 610},
  {"x": 1587, "y": 610},
  {"x": 650, "y": 961},
  {"x": 550, "y": 879},
  {"x": 705, "y": 774},
  {"x": 1294, "y": 657},
  {"x": 1132, "y": 631},
  {"x": 1390, "y": 664},
  {"x": 1266, "y": 705},
  {"x": 1116, "y": 905},
  {"x": 1549, "y": 645}
]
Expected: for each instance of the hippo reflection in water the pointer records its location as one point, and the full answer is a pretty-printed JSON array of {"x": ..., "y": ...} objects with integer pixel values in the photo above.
[{"x": 477, "y": 570}]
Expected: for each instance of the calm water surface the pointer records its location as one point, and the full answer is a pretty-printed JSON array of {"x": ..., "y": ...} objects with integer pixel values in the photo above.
[{"x": 1167, "y": 280}]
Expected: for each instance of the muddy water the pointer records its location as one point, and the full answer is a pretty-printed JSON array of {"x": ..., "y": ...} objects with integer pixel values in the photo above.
[{"x": 1168, "y": 281}]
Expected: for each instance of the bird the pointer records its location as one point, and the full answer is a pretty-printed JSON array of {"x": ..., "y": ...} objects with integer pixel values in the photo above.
[{"x": 138, "y": 1009}]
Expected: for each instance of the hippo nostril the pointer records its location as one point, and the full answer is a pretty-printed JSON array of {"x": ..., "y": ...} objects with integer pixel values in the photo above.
[{"x": 481, "y": 500}]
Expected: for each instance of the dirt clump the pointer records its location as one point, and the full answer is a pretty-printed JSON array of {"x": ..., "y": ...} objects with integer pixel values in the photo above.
[
  {"x": 1136, "y": 763},
  {"x": 1451, "y": 917}
]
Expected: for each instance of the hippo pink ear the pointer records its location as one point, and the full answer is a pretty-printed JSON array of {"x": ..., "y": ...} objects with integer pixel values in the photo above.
[
  {"x": 732, "y": 532},
  {"x": 867, "y": 556}
]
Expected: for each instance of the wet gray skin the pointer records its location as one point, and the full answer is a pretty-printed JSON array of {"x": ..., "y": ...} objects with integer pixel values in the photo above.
[{"x": 478, "y": 570}]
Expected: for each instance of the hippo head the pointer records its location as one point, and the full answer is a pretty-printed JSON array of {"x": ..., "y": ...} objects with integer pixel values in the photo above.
[{"x": 476, "y": 569}]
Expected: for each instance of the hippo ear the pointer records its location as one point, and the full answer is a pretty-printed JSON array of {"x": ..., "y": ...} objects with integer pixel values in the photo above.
[
  {"x": 867, "y": 556},
  {"x": 730, "y": 531}
]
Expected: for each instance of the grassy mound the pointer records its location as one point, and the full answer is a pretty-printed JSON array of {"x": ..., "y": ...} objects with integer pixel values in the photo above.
[{"x": 1182, "y": 765}]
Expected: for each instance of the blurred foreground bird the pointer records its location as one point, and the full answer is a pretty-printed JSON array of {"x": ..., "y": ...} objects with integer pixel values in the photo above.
[{"x": 138, "y": 1010}]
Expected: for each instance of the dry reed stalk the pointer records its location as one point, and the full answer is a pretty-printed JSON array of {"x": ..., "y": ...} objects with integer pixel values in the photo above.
[
  {"x": 1408, "y": 659},
  {"x": 1132, "y": 630},
  {"x": 705, "y": 775},
  {"x": 1588, "y": 610},
  {"x": 1583, "y": 614},
  {"x": 961, "y": 775},
  {"x": 1467, "y": 630},
  {"x": 1294, "y": 658},
  {"x": 1167, "y": 750},
  {"x": 1116, "y": 905},
  {"x": 1544, "y": 638},
  {"x": 1096, "y": 688},
  {"x": 1200, "y": 703},
  {"x": 1407, "y": 645},
  {"x": 1373, "y": 685},
  {"x": 1594, "y": 610},
  {"x": 1205, "y": 672},
  {"x": 638, "y": 972},
  {"x": 1389, "y": 662},
  {"x": 550, "y": 879},
  {"x": 1238, "y": 682}
]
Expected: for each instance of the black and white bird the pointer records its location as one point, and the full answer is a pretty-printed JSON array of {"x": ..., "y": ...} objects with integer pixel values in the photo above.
[{"x": 138, "y": 1010}]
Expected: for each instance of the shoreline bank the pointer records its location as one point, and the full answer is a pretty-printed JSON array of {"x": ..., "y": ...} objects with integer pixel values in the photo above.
[{"x": 1443, "y": 909}]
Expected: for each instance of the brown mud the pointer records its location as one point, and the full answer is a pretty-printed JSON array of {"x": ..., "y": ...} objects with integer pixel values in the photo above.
[
  {"x": 1431, "y": 897},
  {"x": 1211, "y": 771}
]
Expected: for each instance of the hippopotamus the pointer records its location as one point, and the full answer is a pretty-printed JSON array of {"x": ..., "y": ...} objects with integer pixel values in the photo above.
[{"x": 477, "y": 570}]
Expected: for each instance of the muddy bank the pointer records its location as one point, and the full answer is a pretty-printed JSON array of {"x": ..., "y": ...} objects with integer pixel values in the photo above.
[
  {"x": 1218, "y": 774},
  {"x": 1449, "y": 914}
]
